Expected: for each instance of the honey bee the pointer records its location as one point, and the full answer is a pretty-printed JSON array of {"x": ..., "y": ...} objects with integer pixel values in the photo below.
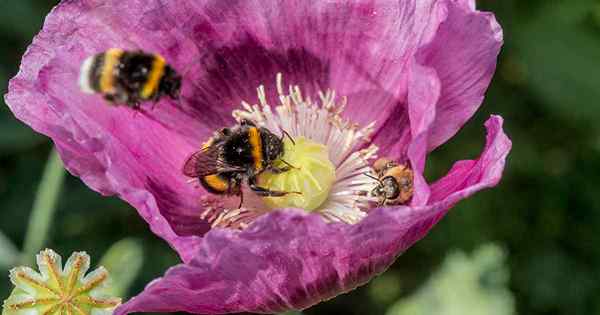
[
  {"x": 234, "y": 154},
  {"x": 129, "y": 77},
  {"x": 395, "y": 182}
]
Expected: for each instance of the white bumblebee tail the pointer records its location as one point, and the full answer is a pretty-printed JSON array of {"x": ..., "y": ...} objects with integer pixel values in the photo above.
[{"x": 85, "y": 75}]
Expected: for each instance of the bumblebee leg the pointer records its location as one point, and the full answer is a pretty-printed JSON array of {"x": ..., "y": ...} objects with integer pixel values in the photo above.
[
  {"x": 121, "y": 97},
  {"x": 135, "y": 104},
  {"x": 236, "y": 188},
  {"x": 241, "y": 199},
  {"x": 289, "y": 166},
  {"x": 110, "y": 99},
  {"x": 225, "y": 131},
  {"x": 265, "y": 192},
  {"x": 285, "y": 134},
  {"x": 278, "y": 170}
]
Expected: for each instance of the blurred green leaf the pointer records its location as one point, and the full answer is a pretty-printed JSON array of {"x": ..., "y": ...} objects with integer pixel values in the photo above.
[
  {"x": 123, "y": 260},
  {"x": 9, "y": 254},
  {"x": 559, "y": 53},
  {"x": 15, "y": 136},
  {"x": 44, "y": 207},
  {"x": 20, "y": 18},
  {"x": 385, "y": 288},
  {"x": 464, "y": 285}
]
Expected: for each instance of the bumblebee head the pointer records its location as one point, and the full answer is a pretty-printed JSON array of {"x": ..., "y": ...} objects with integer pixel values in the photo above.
[
  {"x": 272, "y": 144},
  {"x": 171, "y": 83}
]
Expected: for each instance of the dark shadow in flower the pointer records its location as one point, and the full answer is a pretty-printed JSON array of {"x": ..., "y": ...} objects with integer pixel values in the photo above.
[
  {"x": 221, "y": 66},
  {"x": 230, "y": 60},
  {"x": 225, "y": 76},
  {"x": 393, "y": 134}
]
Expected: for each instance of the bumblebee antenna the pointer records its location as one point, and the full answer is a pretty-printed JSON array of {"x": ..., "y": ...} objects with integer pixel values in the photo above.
[{"x": 286, "y": 134}]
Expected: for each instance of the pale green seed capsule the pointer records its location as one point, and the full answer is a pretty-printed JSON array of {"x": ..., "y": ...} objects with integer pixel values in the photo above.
[{"x": 58, "y": 290}]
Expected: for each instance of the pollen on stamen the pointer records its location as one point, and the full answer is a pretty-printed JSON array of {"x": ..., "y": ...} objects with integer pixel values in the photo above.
[
  {"x": 223, "y": 212},
  {"x": 319, "y": 122}
]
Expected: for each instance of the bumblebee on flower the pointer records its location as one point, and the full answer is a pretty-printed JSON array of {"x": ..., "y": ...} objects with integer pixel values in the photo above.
[{"x": 359, "y": 80}]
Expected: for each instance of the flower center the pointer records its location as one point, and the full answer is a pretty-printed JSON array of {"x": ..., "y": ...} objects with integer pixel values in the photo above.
[
  {"x": 329, "y": 158},
  {"x": 310, "y": 179}
]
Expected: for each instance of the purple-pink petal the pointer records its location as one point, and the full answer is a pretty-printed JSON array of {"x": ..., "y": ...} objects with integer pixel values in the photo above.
[
  {"x": 463, "y": 54},
  {"x": 419, "y": 69},
  {"x": 362, "y": 49},
  {"x": 292, "y": 260}
]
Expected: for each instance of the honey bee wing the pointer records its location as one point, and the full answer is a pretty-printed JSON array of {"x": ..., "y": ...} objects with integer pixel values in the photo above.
[{"x": 202, "y": 163}]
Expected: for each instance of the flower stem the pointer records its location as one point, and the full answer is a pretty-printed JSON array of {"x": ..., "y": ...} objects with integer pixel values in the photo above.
[
  {"x": 124, "y": 260},
  {"x": 44, "y": 207},
  {"x": 9, "y": 254}
]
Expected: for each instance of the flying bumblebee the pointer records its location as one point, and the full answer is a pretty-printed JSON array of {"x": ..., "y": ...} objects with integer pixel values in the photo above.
[
  {"x": 129, "y": 77},
  {"x": 234, "y": 154},
  {"x": 395, "y": 182}
]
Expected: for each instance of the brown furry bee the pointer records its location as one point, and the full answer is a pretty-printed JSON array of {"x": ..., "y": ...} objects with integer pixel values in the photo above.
[
  {"x": 129, "y": 77},
  {"x": 395, "y": 182},
  {"x": 234, "y": 154}
]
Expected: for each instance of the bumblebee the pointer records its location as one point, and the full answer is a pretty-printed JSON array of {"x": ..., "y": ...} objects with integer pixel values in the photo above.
[
  {"x": 129, "y": 77},
  {"x": 395, "y": 182},
  {"x": 234, "y": 154}
]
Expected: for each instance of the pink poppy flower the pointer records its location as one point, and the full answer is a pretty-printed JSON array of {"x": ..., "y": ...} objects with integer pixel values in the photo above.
[{"x": 411, "y": 74}]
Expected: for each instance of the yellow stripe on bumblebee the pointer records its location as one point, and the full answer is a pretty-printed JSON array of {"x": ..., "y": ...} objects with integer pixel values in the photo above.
[
  {"x": 157, "y": 72},
  {"x": 256, "y": 143},
  {"x": 110, "y": 70}
]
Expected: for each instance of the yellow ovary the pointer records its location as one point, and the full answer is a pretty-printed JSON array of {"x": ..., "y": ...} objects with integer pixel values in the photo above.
[{"x": 313, "y": 176}]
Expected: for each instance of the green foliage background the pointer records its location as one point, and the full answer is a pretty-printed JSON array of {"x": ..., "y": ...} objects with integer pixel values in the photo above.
[{"x": 546, "y": 212}]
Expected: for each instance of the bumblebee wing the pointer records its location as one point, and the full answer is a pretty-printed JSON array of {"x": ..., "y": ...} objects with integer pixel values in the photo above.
[
  {"x": 202, "y": 163},
  {"x": 207, "y": 162}
]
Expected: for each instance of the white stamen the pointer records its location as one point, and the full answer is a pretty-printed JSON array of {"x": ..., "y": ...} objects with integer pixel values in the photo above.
[{"x": 320, "y": 122}]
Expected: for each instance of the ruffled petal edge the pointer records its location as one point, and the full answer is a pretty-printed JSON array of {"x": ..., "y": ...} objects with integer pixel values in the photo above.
[{"x": 293, "y": 260}]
